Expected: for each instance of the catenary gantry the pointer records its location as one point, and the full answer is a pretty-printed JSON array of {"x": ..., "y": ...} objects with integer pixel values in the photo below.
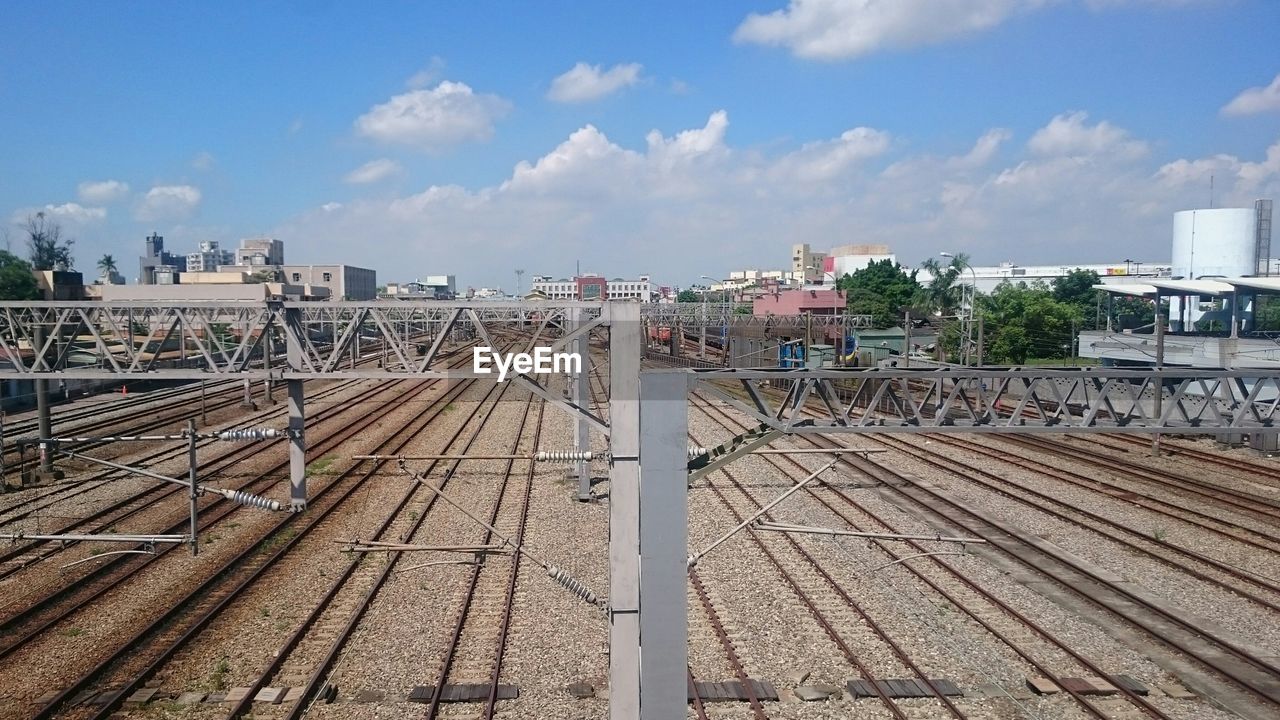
[{"x": 647, "y": 422}]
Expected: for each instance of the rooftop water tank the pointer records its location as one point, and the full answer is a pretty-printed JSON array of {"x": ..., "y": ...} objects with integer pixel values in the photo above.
[{"x": 1217, "y": 242}]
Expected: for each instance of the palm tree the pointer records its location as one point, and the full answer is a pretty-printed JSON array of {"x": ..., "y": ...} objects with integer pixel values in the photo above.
[
  {"x": 107, "y": 265},
  {"x": 943, "y": 295}
]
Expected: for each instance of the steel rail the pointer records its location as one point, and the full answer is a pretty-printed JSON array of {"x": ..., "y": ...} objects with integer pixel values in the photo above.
[
  {"x": 316, "y": 680},
  {"x": 225, "y": 580},
  {"x": 1083, "y": 701}
]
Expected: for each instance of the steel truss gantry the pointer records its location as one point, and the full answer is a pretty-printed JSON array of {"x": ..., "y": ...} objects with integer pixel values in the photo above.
[
  {"x": 693, "y": 316},
  {"x": 647, "y": 424}
]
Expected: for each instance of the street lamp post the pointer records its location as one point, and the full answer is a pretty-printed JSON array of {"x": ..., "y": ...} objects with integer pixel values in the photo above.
[{"x": 973, "y": 300}]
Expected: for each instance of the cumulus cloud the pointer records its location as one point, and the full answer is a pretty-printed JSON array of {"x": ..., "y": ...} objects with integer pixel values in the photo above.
[
  {"x": 584, "y": 83},
  {"x": 1070, "y": 134},
  {"x": 373, "y": 171},
  {"x": 843, "y": 29},
  {"x": 68, "y": 213},
  {"x": 448, "y": 114},
  {"x": 1255, "y": 100},
  {"x": 688, "y": 201},
  {"x": 103, "y": 191},
  {"x": 168, "y": 203}
]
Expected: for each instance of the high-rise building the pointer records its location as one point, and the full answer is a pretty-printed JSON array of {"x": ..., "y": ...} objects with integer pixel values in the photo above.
[{"x": 155, "y": 259}]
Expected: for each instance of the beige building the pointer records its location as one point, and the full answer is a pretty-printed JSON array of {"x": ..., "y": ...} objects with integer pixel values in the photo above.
[
  {"x": 345, "y": 282},
  {"x": 806, "y": 264}
]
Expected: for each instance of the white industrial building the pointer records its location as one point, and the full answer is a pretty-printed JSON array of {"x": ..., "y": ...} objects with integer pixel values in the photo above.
[{"x": 988, "y": 277}]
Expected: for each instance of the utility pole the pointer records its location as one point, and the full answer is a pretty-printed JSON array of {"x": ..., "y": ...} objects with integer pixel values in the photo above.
[
  {"x": 42, "y": 407},
  {"x": 906, "y": 341},
  {"x": 980, "y": 341},
  {"x": 1159, "y": 399}
]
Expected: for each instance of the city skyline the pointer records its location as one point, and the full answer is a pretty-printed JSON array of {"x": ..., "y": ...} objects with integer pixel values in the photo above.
[{"x": 665, "y": 140}]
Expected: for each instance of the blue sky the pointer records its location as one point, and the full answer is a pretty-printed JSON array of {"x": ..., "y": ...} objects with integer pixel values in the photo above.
[{"x": 695, "y": 138}]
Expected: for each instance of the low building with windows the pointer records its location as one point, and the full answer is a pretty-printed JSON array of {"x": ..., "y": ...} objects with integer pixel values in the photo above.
[
  {"x": 596, "y": 287},
  {"x": 344, "y": 282}
]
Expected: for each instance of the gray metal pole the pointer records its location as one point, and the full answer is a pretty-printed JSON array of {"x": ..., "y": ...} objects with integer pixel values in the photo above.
[
  {"x": 624, "y": 511},
  {"x": 1159, "y": 399},
  {"x": 266, "y": 364},
  {"x": 906, "y": 341},
  {"x": 204, "y": 414},
  {"x": 581, "y": 389},
  {"x": 664, "y": 546},
  {"x": 297, "y": 413},
  {"x": 981, "y": 338},
  {"x": 45, "y": 422},
  {"x": 193, "y": 493}
]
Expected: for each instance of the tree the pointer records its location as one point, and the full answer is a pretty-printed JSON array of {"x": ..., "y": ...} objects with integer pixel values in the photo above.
[
  {"x": 944, "y": 295},
  {"x": 1026, "y": 321},
  {"x": 882, "y": 290},
  {"x": 107, "y": 265},
  {"x": 1076, "y": 289},
  {"x": 688, "y": 296},
  {"x": 49, "y": 250},
  {"x": 16, "y": 280}
]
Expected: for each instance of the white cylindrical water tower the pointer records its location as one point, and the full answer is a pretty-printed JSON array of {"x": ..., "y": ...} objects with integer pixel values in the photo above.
[
  {"x": 1214, "y": 243},
  {"x": 1220, "y": 242}
]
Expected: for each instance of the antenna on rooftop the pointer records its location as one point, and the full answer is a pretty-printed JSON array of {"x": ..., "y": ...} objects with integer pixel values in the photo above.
[{"x": 1210, "y": 192}]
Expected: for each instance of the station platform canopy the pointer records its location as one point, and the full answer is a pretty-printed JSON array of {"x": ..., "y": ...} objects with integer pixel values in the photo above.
[{"x": 1213, "y": 287}]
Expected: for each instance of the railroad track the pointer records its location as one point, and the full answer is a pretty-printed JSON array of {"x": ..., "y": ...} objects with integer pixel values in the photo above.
[
  {"x": 1236, "y": 501},
  {"x": 1242, "y": 666},
  {"x": 1255, "y": 470},
  {"x": 20, "y": 555},
  {"x": 142, "y": 656},
  {"x": 699, "y": 597},
  {"x": 980, "y": 605},
  {"x": 57, "y": 607}
]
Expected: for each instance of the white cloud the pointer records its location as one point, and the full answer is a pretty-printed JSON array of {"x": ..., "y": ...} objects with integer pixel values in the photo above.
[
  {"x": 103, "y": 191},
  {"x": 68, "y": 213},
  {"x": 842, "y": 29},
  {"x": 448, "y": 114},
  {"x": 168, "y": 203},
  {"x": 828, "y": 159},
  {"x": 583, "y": 82},
  {"x": 1255, "y": 100},
  {"x": 688, "y": 202},
  {"x": 373, "y": 171},
  {"x": 1070, "y": 135}
]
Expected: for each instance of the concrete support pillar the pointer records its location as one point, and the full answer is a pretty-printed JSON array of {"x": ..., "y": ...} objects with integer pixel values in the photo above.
[
  {"x": 664, "y": 547},
  {"x": 297, "y": 412},
  {"x": 624, "y": 511},
  {"x": 580, "y": 389}
]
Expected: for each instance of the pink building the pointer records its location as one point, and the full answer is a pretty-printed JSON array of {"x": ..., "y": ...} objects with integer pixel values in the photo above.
[{"x": 797, "y": 302}]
